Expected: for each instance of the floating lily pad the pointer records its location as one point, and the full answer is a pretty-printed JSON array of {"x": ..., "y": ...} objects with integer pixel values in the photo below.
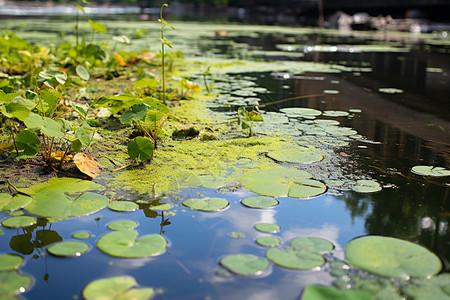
[
  {"x": 335, "y": 113},
  {"x": 273, "y": 182},
  {"x": 123, "y": 206},
  {"x": 430, "y": 171},
  {"x": 124, "y": 243},
  {"x": 438, "y": 287},
  {"x": 390, "y": 90},
  {"x": 313, "y": 244},
  {"x": 268, "y": 241},
  {"x": 326, "y": 293},
  {"x": 259, "y": 202},
  {"x": 306, "y": 188},
  {"x": 10, "y": 262},
  {"x": 295, "y": 156},
  {"x": 122, "y": 225},
  {"x": 267, "y": 227},
  {"x": 82, "y": 235},
  {"x": 245, "y": 264},
  {"x": 68, "y": 248},
  {"x": 301, "y": 112},
  {"x": 367, "y": 186},
  {"x": 21, "y": 221},
  {"x": 120, "y": 287},
  {"x": 391, "y": 257},
  {"x": 11, "y": 203},
  {"x": 336, "y": 130},
  {"x": 162, "y": 206},
  {"x": 326, "y": 122},
  {"x": 13, "y": 283},
  {"x": 206, "y": 203},
  {"x": 295, "y": 259},
  {"x": 331, "y": 92}
]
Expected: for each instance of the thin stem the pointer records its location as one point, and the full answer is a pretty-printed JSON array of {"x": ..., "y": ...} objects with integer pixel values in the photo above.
[{"x": 13, "y": 137}]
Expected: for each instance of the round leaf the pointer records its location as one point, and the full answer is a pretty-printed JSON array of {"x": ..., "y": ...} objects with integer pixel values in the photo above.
[
  {"x": 120, "y": 287},
  {"x": 82, "y": 72},
  {"x": 10, "y": 262},
  {"x": 11, "y": 203},
  {"x": 69, "y": 248},
  {"x": 430, "y": 171},
  {"x": 245, "y": 264},
  {"x": 306, "y": 188},
  {"x": 259, "y": 202},
  {"x": 124, "y": 244},
  {"x": 123, "y": 206},
  {"x": 367, "y": 186},
  {"x": 141, "y": 148},
  {"x": 295, "y": 156},
  {"x": 13, "y": 283},
  {"x": 295, "y": 259},
  {"x": 82, "y": 235},
  {"x": 206, "y": 203},
  {"x": 28, "y": 142},
  {"x": 21, "y": 221},
  {"x": 267, "y": 227},
  {"x": 387, "y": 256},
  {"x": 313, "y": 244},
  {"x": 122, "y": 225},
  {"x": 268, "y": 241}
]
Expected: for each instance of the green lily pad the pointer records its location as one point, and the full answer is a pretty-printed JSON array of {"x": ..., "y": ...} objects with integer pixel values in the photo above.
[
  {"x": 438, "y": 288},
  {"x": 64, "y": 185},
  {"x": 313, "y": 244},
  {"x": 306, "y": 188},
  {"x": 122, "y": 225},
  {"x": 295, "y": 259},
  {"x": 141, "y": 148},
  {"x": 123, "y": 206},
  {"x": 268, "y": 241},
  {"x": 245, "y": 264},
  {"x": 301, "y": 112},
  {"x": 207, "y": 181},
  {"x": 123, "y": 243},
  {"x": 10, "y": 262},
  {"x": 113, "y": 288},
  {"x": 82, "y": 235},
  {"x": 391, "y": 257},
  {"x": 326, "y": 122},
  {"x": 68, "y": 248},
  {"x": 162, "y": 206},
  {"x": 260, "y": 202},
  {"x": 326, "y": 293},
  {"x": 13, "y": 283},
  {"x": 430, "y": 171},
  {"x": 390, "y": 90},
  {"x": 206, "y": 203},
  {"x": 11, "y": 203},
  {"x": 336, "y": 130},
  {"x": 273, "y": 182},
  {"x": 367, "y": 186},
  {"x": 267, "y": 227},
  {"x": 295, "y": 156},
  {"x": 335, "y": 113},
  {"x": 21, "y": 221}
]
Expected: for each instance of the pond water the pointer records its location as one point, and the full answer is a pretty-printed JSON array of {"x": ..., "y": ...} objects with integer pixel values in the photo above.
[{"x": 399, "y": 131}]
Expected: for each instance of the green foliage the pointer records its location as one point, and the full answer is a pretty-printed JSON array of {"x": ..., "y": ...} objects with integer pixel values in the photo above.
[
  {"x": 164, "y": 42},
  {"x": 247, "y": 118},
  {"x": 140, "y": 148}
]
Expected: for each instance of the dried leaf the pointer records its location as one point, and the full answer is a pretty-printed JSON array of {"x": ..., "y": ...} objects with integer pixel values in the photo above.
[{"x": 87, "y": 164}]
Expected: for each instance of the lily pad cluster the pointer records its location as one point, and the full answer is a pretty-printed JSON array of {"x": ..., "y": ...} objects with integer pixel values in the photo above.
[{"x": 12, "y": 281}]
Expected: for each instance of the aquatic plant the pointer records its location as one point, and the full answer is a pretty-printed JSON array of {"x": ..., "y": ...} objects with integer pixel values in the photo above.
[
  {"x": 247, "y": 118},
  {"x": 164, "y": 42}
]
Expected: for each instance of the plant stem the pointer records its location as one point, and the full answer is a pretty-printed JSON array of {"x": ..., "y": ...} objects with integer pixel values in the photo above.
[{"x": 13, "y": 137}]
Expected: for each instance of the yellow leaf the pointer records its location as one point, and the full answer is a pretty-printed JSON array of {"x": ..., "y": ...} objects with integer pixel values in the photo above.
[{"x": 87, "y": 164}]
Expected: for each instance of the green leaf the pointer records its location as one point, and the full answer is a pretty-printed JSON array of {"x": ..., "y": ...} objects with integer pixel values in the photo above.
[
  {"x": 10, "y": 262},
  {"x": 124, "y": 243},
  {"x": 45, "y": 125},
  {"x": 391, "y": 257},
  {"x": 122, "y": 225},
  {"x": 430, "y": 171},
  {"x": 313, "y": 244},
  {"x": 304, "y": 188},
  {"x": 28, "y": 142},
  {"x": 267, "y": 227},
  {"x": 82, "y": 235},
  {"x": 436, "y": 288},
  {"x": 245, "y": 264},
  {"x": 295, "y": 259},
  {"x": 12, "y": 203},
  {"x": 99, "y": 27},
  {"x": 83, "y": 72},
  {"x": 114, "y": 288},
  {"x": 206, "y": 203},
  {"x": 80, "y": 8},
  {"x": 16, "y": 222},
  {"x": 367, "y": 186},
  {"x": 259, "y": 202},
  {"x": 51, "y": 98},
  {"x": 123, "y": 206},
  {"x": 13, "y": 283},
  {"x": 268, "y": 241},
  {"x": 68, "y": 248},
  {"x": 17, "y": 110},
  {"x": 140, "y": 148},
  {"x": 135, "y": 113},
  {"x": 326, "y": 293},
  {"x": 166, "y": 42},
  {"x": 83, "y": 134},
  {"x": 296, "y": 156}
]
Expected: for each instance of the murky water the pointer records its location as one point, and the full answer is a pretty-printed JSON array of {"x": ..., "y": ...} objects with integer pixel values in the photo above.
[{"x": 406, "y": 129}]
